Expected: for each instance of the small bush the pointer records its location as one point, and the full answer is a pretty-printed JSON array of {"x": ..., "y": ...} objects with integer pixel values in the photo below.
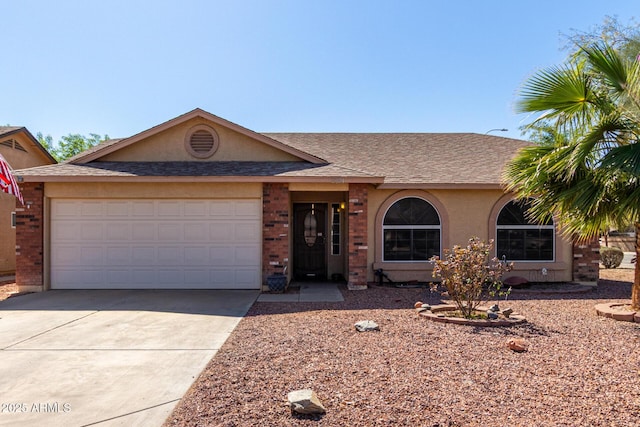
[
  {"x": 470, "y": 275},
  {"x": 611, "y": 257}
]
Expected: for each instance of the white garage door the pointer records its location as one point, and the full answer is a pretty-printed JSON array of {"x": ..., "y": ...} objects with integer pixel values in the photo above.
[{"x": 151, "y": 244}]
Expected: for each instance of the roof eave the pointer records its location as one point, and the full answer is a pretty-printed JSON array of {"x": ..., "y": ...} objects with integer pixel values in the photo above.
[
  {"x": 33, "y": 140},
  {"x": 441, "y": 186},
  {"x": 194, "y": 179}
]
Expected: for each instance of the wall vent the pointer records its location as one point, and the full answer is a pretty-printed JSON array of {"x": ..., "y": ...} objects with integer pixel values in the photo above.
[{"x": 201, "y": 141}]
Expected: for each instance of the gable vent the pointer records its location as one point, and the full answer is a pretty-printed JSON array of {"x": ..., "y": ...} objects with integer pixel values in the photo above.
[
  {"x": 18, "y": 146},
  {"x": 12, "y": 143},
  {"x": 201, "y": 141}
]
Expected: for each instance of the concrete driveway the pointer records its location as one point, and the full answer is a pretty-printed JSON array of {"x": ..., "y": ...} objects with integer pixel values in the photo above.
[{"x": 107, "y": 358}]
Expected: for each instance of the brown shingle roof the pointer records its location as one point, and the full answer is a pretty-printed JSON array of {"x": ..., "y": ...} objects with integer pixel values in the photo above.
[
  {"x": 413, "y": 158},
  {"x": 425, "y": 160},
  {"x": 8, "y": 129},
  {"x": 227, "y": 169}
]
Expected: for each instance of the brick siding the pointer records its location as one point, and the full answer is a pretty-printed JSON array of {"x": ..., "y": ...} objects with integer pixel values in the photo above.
[
  {"x": 586, "y": 261},
  {"x": 275, "y": 233},
  {"x": 30, "y": 238},
  {"x": 357, "y": 261}
]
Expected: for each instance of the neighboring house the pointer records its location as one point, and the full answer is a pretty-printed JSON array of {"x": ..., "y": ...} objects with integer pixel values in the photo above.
[
  {"x": 199, "y": 202},
  {"x": 21, "y": 150}
]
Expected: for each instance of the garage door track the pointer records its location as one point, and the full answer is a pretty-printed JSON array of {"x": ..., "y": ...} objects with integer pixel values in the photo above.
[{"x": 107, "y": 358}]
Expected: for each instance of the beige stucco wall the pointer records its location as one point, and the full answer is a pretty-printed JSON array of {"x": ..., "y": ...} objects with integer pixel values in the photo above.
[
  {"x": 18, "y": 159},
  {"x": 464, "y": 214},
  {"x": 168, "y": 145}
]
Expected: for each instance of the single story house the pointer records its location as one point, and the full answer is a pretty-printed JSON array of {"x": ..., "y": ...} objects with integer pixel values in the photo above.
[
  {"x": 21, "y": 150},
  {"x": 199, "y": 202}
]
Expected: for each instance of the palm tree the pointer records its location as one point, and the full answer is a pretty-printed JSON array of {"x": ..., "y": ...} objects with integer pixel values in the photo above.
[{"x": 590, "y": 174}]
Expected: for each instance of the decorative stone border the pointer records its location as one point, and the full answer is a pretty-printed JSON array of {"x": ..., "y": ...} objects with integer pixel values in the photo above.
[
  {"x": 513, "y": 319},
  {"x": 614, "y": 310}
]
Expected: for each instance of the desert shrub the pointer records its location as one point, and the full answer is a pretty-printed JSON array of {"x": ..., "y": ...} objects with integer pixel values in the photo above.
[
  {"x": 470, "y": 276},
  {"x": 611, "y": 257}
]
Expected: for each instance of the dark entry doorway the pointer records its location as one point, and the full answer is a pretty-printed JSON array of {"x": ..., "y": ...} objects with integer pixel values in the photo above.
[{"x": 309, "y": 241}]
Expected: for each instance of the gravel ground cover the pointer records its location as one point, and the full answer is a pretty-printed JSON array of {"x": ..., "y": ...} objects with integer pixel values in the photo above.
[{"x": 580, "y": 369}]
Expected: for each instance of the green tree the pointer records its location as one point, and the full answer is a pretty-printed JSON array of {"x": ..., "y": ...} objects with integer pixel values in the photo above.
[
  {"x": 590, "y": 174},
  {"x": 69, "y": 145}
]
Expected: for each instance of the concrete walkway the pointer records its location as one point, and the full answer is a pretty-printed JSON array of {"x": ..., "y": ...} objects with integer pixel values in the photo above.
[
  {"x": 108, "y": 358},
  {"x": 309, "y": 292}
]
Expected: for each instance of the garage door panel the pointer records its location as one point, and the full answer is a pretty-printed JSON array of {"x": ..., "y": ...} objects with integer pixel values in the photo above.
[
  {"x": 247, "y": 208},
  {"x": 221, "y": 232},
  {"x": 120, "y": 209},
  {"x": 171, "y": 255},
  {"x": 118, "y": 255},
  {"x": 65, "y": 255},
  {"x": 142, "y": 209},
  {"x": 92, "y": 209},
  {"x": 143, "y": 232},
  {"x": 220, "y": 255},
  {"x": 118, "y": 231},
  {"x": 221, "y": 209},
  {"x": 244, "y": 255},
  {"x": 91, "y": 231},
  {"x": 92, "y": 255},
  {"x": 118, "y": 277},
  {"x": 197, "y": 244},
  {"x": 170, "y": 232},
  {"x": 196, "y": 256},
  {"x": 246, "y": 232},
  {"x": 196, "y": 232},
  {"x": 143, "y": 255},
  {"x": 170, "y": 209},
  {"x": 196, "y": 209}
]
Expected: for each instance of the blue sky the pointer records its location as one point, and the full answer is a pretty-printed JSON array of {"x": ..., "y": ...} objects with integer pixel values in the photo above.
[{"x": 120, "y": 67}]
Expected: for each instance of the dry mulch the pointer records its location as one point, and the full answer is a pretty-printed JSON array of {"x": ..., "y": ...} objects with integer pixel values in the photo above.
[
  {"x": 7, "y": 289},
  {"x": 580, "y": 369}
]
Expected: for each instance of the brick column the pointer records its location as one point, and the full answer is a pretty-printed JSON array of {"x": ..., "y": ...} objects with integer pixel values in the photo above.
[
  {"x": 586, "y": 260},
  {"x": 30, "y": 239},
  {"x": 275, "y": 228},
  {"x": 358, "y": 249}
]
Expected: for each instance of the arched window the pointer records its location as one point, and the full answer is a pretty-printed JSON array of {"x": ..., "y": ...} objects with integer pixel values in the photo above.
[
  {"x": 519, "y": 239},
  {"x": 411, "y": 231}
]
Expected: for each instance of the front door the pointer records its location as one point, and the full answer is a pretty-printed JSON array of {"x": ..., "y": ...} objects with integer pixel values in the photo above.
[{"x": 309, "y": 241}]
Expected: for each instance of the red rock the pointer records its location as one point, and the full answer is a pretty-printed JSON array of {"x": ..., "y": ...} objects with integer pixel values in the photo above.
[
  {"x": 518, "y": 344},
  {"x": 418, "y": 304}
]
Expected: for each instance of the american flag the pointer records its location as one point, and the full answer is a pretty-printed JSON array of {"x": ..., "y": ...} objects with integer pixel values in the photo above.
[{"x": 8, "y": 183}]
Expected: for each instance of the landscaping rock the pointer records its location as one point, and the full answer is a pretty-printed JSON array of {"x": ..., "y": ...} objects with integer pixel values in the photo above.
[
  {"x": 305, "y": 402},
  {"x": 418, "y": 304},
  {"x": 421, "y": 309},
  {"x": 495, "y": 308},
  {"x": 518, "y": 345},
  {"x": 507, "y": 312},
  {"x": 427, "y": 306},
  {"x": 492, "y": 315},
  {"x": 367, "y": 326}
]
